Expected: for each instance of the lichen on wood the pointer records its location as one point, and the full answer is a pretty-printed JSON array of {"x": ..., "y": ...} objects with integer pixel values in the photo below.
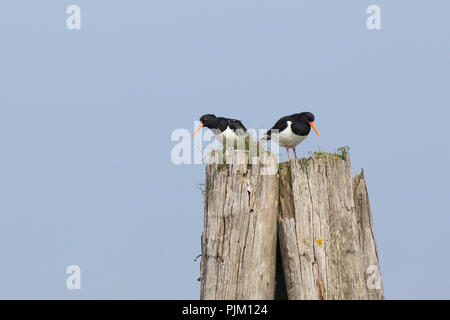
[{"x": 326, "y": 246}]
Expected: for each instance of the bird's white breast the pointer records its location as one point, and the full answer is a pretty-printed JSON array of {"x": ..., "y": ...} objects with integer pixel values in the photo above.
[
  {"x": 287, "y": 138},
  {"x": 228, "y": 134}
]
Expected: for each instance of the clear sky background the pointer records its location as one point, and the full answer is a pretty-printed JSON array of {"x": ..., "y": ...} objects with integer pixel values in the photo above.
[{"x": 86, "y": 118}]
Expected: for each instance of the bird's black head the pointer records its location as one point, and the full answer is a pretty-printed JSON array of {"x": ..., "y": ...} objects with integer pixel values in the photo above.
[
  {"x": 208, "y": 120},
  {"x": 308, "y": 117}
]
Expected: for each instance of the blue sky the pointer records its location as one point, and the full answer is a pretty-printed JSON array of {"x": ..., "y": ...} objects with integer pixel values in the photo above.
[{"x": 86, "y": 118}]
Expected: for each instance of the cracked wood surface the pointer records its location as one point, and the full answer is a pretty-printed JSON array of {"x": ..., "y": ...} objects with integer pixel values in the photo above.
[
  {"x": 366, "y": 238},
  {"x": 326, "y": 239},
  {"x": 325, "y": 231},
  {"x": 240, "y": 228}
]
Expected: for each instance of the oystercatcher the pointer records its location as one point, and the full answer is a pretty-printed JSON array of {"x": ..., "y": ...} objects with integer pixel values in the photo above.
[
  {"x": 289, "y": 131},
  {"x": 222, "y": 127}
]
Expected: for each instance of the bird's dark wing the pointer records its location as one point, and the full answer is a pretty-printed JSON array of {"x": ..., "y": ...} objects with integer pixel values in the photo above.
[
  {"x": 280, "y": 125},
  {"x": 236, "y": 125}
]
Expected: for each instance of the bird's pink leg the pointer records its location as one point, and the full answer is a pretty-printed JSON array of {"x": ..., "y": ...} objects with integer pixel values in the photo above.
[
  {"x": 287, "y": 149},
  {"x": 295, "y": 153}
]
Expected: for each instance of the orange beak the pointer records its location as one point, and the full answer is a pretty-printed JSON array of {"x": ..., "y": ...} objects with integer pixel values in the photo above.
[
  {"x": 199, "y": 127},
  {"x": 314, "y": 127}
]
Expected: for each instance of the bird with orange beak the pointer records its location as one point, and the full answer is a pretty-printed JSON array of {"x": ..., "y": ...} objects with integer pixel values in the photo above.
[
  {"x": 291, "y": 130},
  {"x": 223, "y": 128}
]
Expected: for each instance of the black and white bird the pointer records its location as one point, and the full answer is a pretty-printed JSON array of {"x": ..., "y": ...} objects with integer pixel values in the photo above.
[
  {"x": 289, "y": 131},
  {"x": 230, "y": 129}
]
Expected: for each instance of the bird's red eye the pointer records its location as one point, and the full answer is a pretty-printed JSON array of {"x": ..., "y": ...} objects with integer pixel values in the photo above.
[{"x": 206, "y": 119}]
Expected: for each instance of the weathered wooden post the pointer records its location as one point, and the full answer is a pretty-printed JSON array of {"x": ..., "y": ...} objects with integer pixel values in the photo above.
[
  {"x": 240, "y": 229},
  {"x": 325, "y": 231},
  {"x": 367, "y": 241},
  {"x": 320, "y": 214}
]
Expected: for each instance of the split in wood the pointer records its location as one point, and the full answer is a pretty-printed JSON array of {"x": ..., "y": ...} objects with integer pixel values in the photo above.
[{"x": 319, "y": 213}]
